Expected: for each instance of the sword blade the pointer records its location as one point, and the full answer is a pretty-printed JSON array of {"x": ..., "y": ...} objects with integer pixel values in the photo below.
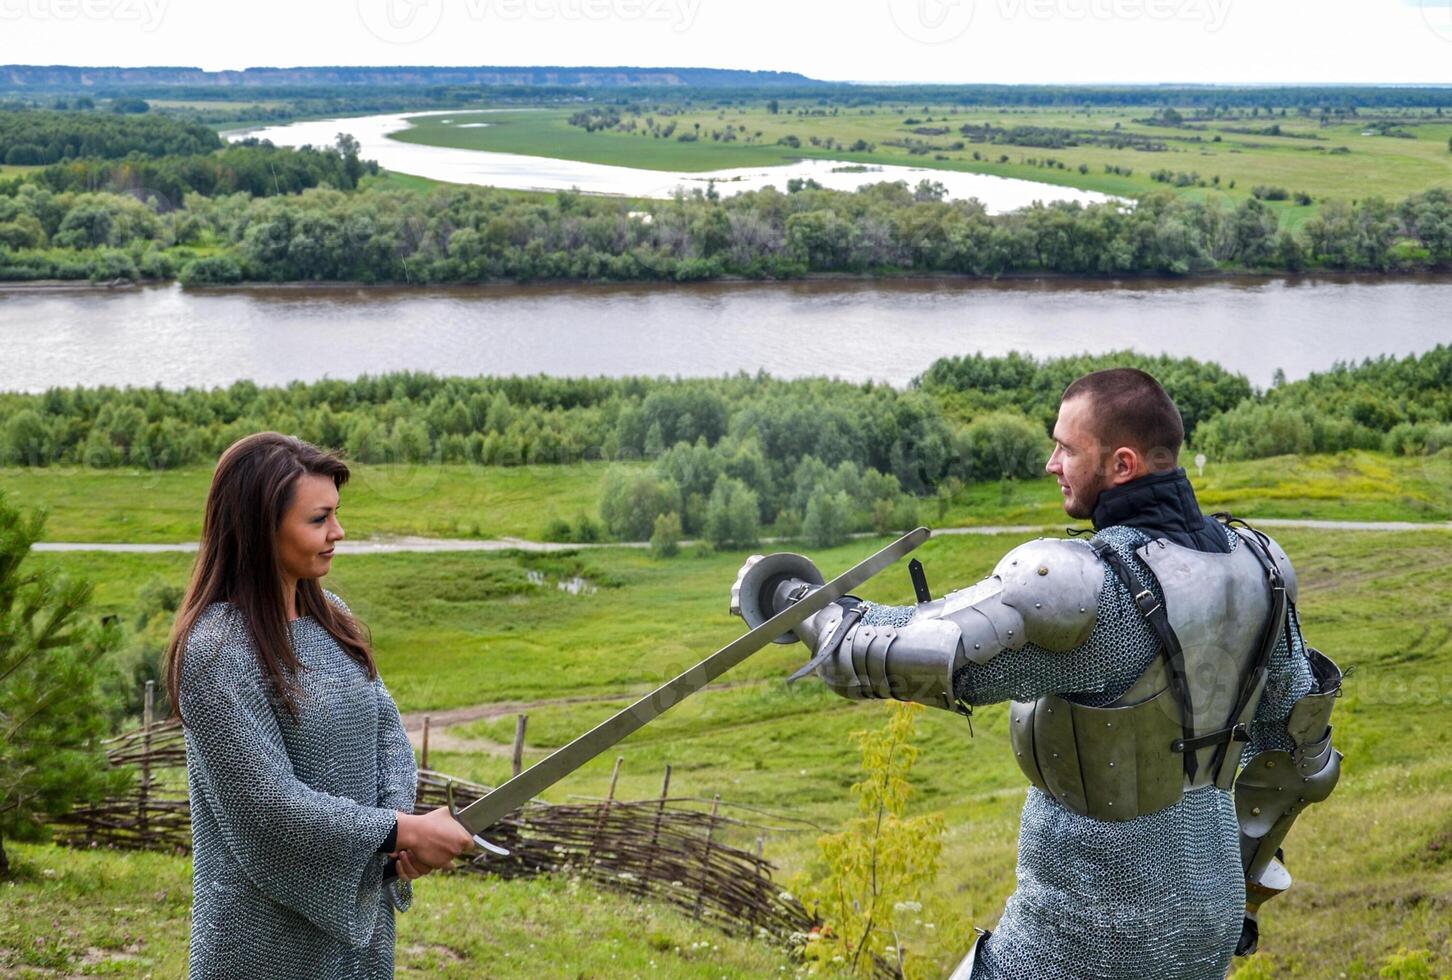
[{"x": 510, "y": 796}]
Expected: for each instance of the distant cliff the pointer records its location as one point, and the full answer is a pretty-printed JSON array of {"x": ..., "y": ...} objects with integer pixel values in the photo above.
[{"x": 70, "y": 77}]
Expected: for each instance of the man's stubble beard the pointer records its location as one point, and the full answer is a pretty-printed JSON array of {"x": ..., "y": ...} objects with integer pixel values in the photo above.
[{"x": 1080, "y": 505}]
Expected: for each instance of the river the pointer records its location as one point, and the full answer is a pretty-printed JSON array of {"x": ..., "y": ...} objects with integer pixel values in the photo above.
[
  {"x": 520, "y": 172},
  {"x": 886, "y": 330}
]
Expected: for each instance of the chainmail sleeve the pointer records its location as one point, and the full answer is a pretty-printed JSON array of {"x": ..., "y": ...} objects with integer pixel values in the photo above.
[
  {"x": 397, "y": 771},
  {"x": 397, "y": 777},
  {"x": 313, "y": 852}
]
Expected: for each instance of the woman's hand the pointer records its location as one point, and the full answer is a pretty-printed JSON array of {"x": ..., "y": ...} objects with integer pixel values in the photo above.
[
  {"x": 433, "y": 839},
  {"x": 407, "y": 870}
]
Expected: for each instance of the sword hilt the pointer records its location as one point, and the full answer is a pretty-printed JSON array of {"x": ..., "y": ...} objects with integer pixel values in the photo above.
[{"x": 454, "y": 812}]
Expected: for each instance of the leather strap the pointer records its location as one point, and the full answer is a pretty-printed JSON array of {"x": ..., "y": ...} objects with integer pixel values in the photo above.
[
  {"x": 1154, "y": 614},
  {"x": 1236, "y": 733},
  {"x": 829, "y": 645}
]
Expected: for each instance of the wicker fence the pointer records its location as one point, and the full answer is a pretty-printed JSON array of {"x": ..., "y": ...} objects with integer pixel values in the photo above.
[{"x": 672, "y": 849}]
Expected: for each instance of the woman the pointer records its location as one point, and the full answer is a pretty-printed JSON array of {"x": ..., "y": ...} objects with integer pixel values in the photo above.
[{"x": 300, "y": 776}]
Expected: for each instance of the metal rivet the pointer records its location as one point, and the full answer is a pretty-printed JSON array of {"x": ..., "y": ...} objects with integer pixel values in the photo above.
[
  {"x": 1038, "y": 605},
  {"x": 1111, "y": 803},
  {"x": 1010, "y": 632},
  {"x": 1303, "y": 799},
  {"x": 1082, "y": 609},
  {"x": 1280, "y": 789},
  {"x": 978, "y": 646},
  {"x": 1043, "y": 569},
  {"x": 1014, "y": 562},
  {"x": 1109, "y": 724},
  {"x": 1056, "y": 755},
  {"x": 1270, "y": 763},
  {"x": 1255, "y": 811},
  {"x": 1111, "y": 766}
]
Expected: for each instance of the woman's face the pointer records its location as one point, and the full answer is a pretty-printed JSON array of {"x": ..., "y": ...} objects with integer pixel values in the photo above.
[{"x": 309, "y": 528}]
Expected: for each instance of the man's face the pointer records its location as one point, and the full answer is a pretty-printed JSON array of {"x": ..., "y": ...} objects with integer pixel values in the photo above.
[{"x": 1078, "y": 459}]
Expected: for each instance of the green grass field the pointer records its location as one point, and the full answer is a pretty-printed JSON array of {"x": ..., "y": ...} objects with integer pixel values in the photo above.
[
  {"x": 464, "y": 501},
  {"x": 1373, "y": 864},
  {"x": 100, "y": 913},
  {"x": 436, "y": 501},
  {"x": 468, "y": 629},
  {"x": 1301, "y": 159}
]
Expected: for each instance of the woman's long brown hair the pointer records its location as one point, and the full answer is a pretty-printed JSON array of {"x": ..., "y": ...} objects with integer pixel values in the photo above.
[{"x": 252, "y": 488}]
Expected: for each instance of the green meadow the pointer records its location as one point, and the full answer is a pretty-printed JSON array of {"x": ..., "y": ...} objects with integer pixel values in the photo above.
[
  {"x": 1343, "y": 159},
  {"x": 469, "y": 501},
  {"x": 117, "y": 914},
  {"x": 489, "y": 632}
]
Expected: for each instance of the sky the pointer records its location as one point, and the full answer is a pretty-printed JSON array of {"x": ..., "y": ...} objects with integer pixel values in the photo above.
[{"x": 1003, "y": 41}]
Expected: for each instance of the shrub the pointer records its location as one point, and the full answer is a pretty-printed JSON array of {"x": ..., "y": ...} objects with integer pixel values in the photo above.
[
  {"x": 211, "y": 270},
  {"x": 732, "y": 519},
  {"x": 665, "y": 539},
  {"x": 825, "y": 522},
  {"x": 630, "y": 503},
  {"x": 1001, "y": 446}
]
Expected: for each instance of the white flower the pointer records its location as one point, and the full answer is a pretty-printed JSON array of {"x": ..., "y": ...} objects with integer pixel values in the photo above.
[
  {"x": 908, "y": 907},
  {"x": 787, "y": 897}
]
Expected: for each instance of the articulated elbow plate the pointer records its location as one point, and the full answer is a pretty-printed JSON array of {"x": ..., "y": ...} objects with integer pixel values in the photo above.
[
  {"x": 1044, "y": 592},
  {"x": 1276, "y": 786}
]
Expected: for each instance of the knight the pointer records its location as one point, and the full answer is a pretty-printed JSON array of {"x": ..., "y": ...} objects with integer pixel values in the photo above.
[{"x": 1169, "y": 717}]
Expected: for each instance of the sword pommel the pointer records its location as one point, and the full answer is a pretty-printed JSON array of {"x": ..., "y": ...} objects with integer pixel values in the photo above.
[{"x": 754, "y": 594}]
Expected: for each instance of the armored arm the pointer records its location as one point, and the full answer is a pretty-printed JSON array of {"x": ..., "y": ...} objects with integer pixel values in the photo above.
[
  {"x": 1044, "y": 593},
  {"x": 1292, "y": 761}
]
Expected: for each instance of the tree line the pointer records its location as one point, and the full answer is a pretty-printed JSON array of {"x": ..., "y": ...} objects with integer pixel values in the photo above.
[
  {"x": 250, "y": 166},
  {"x": 735, "y": 457},
  {"x": 475, "y": 234},
  {"x": 1397, "y": 405},
  {"x": 35, "y": 137}
]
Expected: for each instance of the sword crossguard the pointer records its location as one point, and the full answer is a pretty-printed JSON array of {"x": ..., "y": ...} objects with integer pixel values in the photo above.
[{"x": 492, "y": 848}]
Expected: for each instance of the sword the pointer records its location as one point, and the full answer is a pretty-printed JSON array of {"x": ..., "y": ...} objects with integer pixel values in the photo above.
[{"x": 493, "y": 806}]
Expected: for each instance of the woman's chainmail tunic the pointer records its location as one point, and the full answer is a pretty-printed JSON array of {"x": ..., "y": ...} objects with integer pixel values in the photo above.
[
  {"x": 1158, "y": 897},
  {"x": 288, "y": 816}
]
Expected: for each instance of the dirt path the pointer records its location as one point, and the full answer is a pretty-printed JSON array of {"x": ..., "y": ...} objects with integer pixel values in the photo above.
[{"x": 441, "y": 739}]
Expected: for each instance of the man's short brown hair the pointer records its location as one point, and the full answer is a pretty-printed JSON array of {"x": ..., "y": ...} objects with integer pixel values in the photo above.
[{"x": 1131, "y": 409}]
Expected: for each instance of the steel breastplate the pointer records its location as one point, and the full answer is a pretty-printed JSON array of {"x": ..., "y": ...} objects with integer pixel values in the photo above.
[{"x": 1115, "y": 762}]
